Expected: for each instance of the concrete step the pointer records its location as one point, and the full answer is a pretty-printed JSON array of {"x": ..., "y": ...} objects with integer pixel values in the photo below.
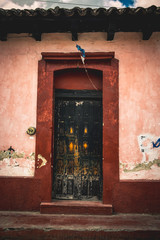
[
  {"x": 36, "y": 226},
  {"x": 75, "y": 207}
]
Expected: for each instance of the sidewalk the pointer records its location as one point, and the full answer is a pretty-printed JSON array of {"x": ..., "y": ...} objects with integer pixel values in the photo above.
[{"x": 33, "y": 225}]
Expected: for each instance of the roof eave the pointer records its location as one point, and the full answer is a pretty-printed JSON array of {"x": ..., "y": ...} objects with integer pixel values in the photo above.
[{"x": 78, "y": 20}]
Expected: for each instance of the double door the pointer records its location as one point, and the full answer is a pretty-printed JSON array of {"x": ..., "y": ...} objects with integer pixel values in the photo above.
[{"x": 77, "y": 171}]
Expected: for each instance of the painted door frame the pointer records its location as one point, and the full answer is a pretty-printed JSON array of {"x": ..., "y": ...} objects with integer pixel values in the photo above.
[{"x": 50, "y": 63}]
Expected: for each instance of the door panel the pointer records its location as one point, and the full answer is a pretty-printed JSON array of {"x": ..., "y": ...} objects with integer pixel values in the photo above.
[{"x": 77, "y": 172}]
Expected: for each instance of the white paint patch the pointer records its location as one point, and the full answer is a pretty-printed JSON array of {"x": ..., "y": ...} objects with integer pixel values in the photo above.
[
  {"x": 79, "y": 103},
  {"x": 146, "y": 147},
  {"x": 17, "y": 164},
  {"x": 150, "y": 174},
  {"x": 21, "y": 167},
  {"x": 44, "y": 161}
]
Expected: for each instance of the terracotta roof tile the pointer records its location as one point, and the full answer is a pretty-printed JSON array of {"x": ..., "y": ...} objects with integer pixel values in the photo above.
[
  {"x": 38, "y": 21},
  {"x": 56, "y": 12}
]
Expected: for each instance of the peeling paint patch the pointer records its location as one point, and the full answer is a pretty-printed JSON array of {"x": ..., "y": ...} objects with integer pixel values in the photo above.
[
  {"x": 44, "y": 161},
  {"x": 16, "y": 164},
  {"x": 146, "y": 167},
  {"x": 149, "y": 153},
  {"x": 31, "y": 156},
  {"x": 142, "y": 166},
  {"x": 9, "y": 154},
  {"x": 146, "y": 170}
]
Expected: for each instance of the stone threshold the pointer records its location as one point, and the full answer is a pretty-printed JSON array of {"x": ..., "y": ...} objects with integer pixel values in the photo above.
[{"x": 75, "y": 207}]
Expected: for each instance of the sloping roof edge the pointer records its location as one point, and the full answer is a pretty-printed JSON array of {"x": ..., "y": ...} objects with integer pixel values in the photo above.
[
  {"x": 75, "y": 20},
  {"x": 81, "y": 12}
]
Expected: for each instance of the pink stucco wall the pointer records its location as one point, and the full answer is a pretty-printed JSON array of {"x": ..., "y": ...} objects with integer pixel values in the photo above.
[{"x": 139, "y": 75}]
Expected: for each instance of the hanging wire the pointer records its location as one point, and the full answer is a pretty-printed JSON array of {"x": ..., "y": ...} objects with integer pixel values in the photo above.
[
  {"x": 90, "y": 78},
  {"x": 86, "y": 71}
]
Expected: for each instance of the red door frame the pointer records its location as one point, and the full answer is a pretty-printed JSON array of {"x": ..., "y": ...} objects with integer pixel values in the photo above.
[{"x": 50, "y": 63}]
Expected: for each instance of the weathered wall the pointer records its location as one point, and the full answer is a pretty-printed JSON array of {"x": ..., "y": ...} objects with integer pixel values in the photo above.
[{"x": 139, "y": 73}]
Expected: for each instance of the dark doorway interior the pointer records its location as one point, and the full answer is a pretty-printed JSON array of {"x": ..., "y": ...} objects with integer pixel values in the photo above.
[{"x": 77, "y": 166}]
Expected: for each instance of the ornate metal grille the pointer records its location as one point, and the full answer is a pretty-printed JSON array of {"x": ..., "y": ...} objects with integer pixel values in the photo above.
[{"x": 78, "y": 145}]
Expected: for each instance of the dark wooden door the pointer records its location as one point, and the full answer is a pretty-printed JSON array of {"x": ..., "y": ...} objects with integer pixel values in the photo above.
[{"x": 77, "y": 171}]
